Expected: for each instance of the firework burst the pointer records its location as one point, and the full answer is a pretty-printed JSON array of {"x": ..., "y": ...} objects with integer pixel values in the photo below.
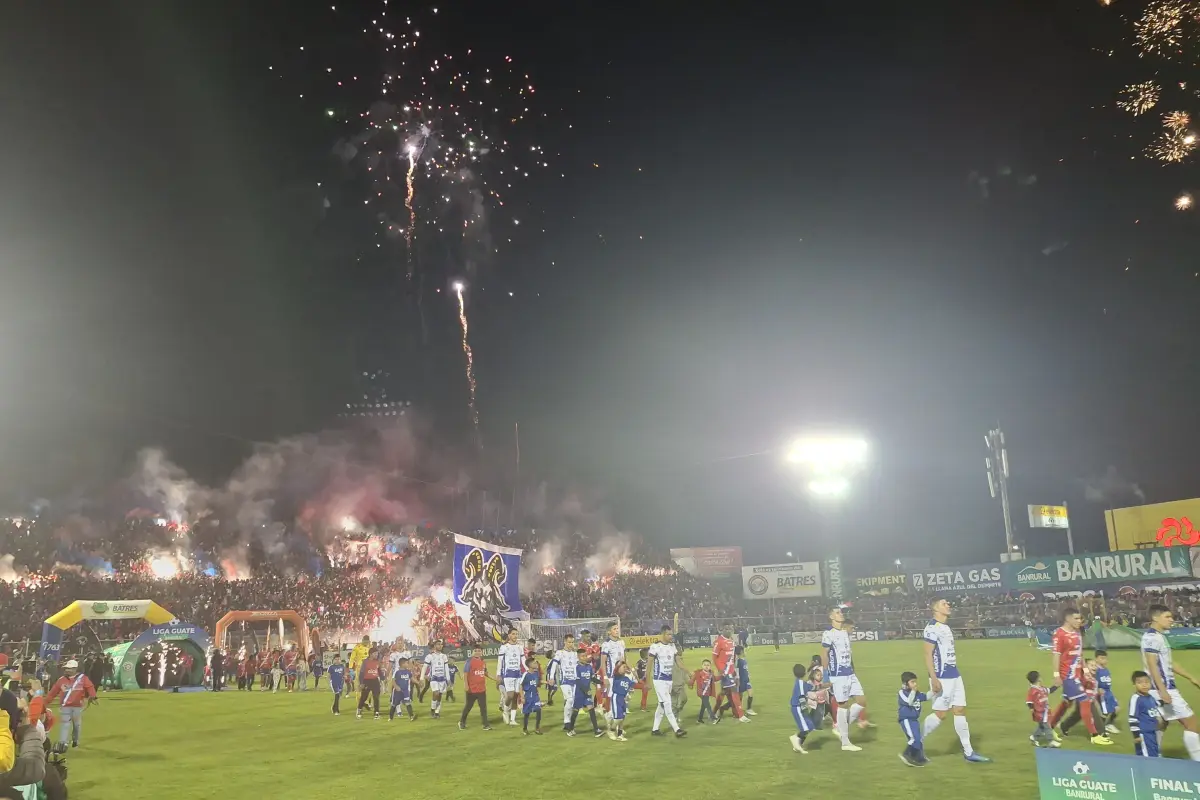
[
  {"x": 1138, "y": 98},
  {"x": 1184, "y": 202},
  {"x": 1169, "y": 29},
  {"x": 443, "y": 141},
  {"x": 1167, "y": 37}
]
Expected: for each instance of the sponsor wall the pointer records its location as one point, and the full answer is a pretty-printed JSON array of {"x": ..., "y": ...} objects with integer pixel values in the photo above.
[
  {"x": 882, "y": 584},
  {"x": 971, "y": 578},
  {"x": 1138, "y": 527},
  {"x": 774, "y": 581},
  {"x": 1091, "y": 569},
  {"x": 709, "y": 562}
]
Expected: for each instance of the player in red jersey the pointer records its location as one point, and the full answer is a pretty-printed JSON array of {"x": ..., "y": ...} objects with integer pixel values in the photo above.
[
  {"x": 1067, "y": 644},
  {"x": 725, "y": 667}
]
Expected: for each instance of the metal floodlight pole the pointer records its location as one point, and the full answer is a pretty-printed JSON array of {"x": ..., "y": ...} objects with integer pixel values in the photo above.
[{"x": 997, "y": 474}]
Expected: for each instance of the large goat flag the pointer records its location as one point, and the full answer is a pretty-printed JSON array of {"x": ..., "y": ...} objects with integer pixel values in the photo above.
[{"x": 486, "y": 590}]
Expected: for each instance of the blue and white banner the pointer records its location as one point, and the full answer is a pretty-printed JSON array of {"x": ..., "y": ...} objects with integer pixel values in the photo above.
[{"x": 486, "y": 591}]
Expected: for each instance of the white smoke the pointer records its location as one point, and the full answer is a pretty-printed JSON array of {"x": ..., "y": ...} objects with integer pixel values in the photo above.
[
  {"x": 1112, "y": 488},
  {"x": 8, "y": 573},
  {"x": 613, "y": 554},
  {"x": 536, "y": 564},
  {"x": 166, "y": 484}
]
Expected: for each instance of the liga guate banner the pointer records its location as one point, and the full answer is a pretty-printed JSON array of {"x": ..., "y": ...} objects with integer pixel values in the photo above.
[
  {"x": 1066, "y": 774},
  {"x": 486, "y": 592},
  {"x": 771, "y": 581},
  {"x": 1091, "y": 569}
]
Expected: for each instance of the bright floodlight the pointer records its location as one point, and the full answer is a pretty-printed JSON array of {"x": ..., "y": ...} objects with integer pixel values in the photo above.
[
  {"x": 829, "y": 454},
  {"x": 831, "y": 488}
]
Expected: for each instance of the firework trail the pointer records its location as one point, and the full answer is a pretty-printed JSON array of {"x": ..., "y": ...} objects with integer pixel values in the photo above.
[
  {"x": 440, "y": 140},
  {"x": 470, "y": 359}
]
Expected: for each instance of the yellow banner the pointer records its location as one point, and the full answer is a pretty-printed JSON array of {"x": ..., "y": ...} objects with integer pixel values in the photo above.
[
  {"x": 1138, "y": 527},
  {"x": 638, "y": 642},
  {"x": 1050, "y": 511}
]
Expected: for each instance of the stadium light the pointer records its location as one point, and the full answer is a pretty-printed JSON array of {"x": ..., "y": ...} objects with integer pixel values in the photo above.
[
  {"x": 829, "y": 455},
  {"x": 831, "y": 488}
]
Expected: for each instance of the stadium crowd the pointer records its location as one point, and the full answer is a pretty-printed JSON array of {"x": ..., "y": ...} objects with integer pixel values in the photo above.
[{"x": 569, "y": 576}]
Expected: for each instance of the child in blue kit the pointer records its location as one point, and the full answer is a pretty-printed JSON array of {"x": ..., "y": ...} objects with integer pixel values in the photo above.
[
  {"x": 910, "y": 720},
  {"x": 800, "y": 711}
]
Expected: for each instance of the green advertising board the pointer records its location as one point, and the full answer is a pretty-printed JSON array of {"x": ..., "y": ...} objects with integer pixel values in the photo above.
[
  {"x": 1092, "y": 569},
  {"x": 1066, "y": 774}
]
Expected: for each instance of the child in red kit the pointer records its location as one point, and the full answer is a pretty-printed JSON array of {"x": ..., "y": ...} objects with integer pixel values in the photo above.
[
  {"x": 706, "y": 689},
  {"x": 1038, "y": 701}
]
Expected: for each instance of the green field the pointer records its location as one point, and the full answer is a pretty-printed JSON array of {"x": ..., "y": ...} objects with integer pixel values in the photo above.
[{"x": 236, "y": 745}]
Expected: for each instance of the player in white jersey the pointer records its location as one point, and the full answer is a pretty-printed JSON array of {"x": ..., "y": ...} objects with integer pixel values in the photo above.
[
  {"x": 508, "y": 670},
  {"x": 664, "y": 660},
  {"x": 838, "y": 667},
  {"x": 612, "y": 652},
  {"x": 945, "y": 681},
  {"x": 562, "y": 668},
  {"x": 437, "y": 672},
  {"x": 1160, "y": 663}
]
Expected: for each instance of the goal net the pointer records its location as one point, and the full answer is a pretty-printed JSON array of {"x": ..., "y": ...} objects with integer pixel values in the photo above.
[{"x": 549, "y": 633}]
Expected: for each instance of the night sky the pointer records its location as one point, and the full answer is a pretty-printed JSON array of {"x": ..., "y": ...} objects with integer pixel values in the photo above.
[{"x": 786, "y": 226}]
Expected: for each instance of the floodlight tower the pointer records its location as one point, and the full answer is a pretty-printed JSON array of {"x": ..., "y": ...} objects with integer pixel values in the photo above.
[{"x": 997, "y": 475}]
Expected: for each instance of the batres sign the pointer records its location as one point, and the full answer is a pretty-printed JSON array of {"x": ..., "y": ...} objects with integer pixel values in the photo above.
[{"x": 769, "y": 581}]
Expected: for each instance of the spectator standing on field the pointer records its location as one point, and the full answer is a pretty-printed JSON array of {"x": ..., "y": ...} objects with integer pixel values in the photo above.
[
  {"x": 302, "y": 674},
  {"x": 75, "y": 688}
]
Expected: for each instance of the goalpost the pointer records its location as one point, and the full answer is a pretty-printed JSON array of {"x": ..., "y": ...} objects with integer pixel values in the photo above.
[{"x": 549, "y": 633}]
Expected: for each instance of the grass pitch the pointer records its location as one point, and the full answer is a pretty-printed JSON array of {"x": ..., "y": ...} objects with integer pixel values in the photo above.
[{"x": 150, "y": 745}]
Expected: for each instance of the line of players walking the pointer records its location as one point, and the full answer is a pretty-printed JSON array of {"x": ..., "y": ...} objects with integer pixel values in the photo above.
[{"x": 591, "y": 675}]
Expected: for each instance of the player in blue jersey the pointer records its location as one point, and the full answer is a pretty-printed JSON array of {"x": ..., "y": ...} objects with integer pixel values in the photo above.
[
  {"x": 945, "y": 682},
  {"x": 509, "y": 670},
  {"x": 1145, "y": 718},
  {"x": 402, "y": 680},
  {"x": 743, "y": 675},
  {"x": 533, "y": 703},
  {"x": 452, "y": 672},
  {"x": 910, "y": 700},
  {"x": 1159, "y": 663},
  {"x": 800, "y": 711},
  {"x": 436, "y": 675},
  {"x": 337, "y": 682},
  {"x": 1105, "y": 696},
  {"x": 585, "y": 677},
  {"x": 551, "y": 679},
  {"x": 838, "y": 668},
  {"x": 622, "y": 684},
  {"x": 562, "y": 671}
]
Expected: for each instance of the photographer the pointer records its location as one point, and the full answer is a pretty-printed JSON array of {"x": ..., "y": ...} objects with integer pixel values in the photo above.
[{"x": 29, "y": 768}]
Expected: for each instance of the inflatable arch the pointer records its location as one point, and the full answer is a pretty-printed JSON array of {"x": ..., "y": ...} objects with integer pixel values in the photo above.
[
  {"x": 191, "y": 638},
  {"x": 223, "y": 624},
  {"x": 52, "y": 630}
]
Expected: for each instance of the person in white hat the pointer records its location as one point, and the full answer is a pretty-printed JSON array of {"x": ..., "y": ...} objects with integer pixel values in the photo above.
[{"x": 75, "y": 688}]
